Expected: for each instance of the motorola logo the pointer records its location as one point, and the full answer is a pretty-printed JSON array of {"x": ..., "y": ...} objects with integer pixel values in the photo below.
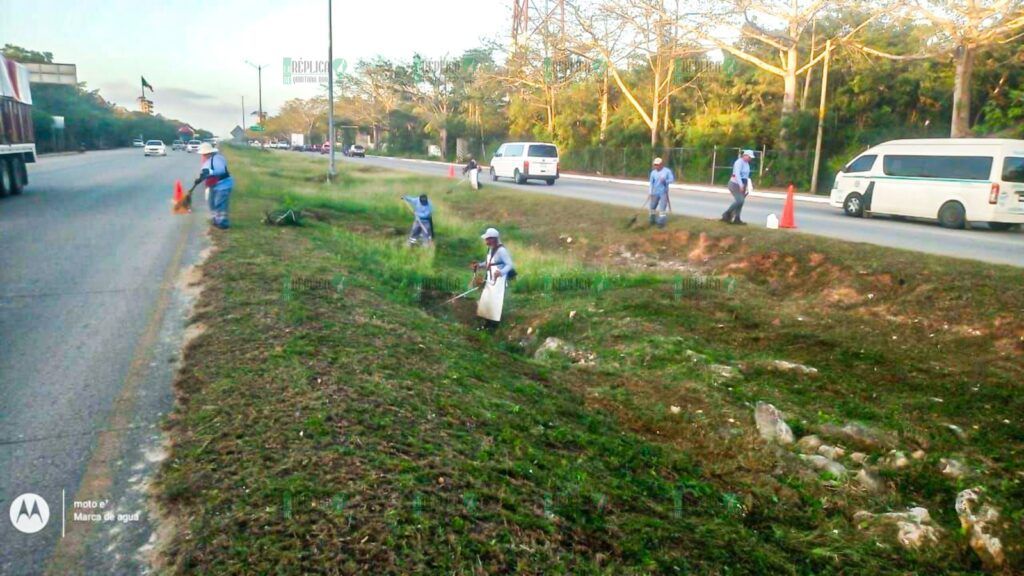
[{"x": 29, "y": 513}]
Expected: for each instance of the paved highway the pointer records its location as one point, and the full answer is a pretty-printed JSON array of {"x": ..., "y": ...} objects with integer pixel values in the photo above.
[
  {"x": 811, "y": 218},
  {"x": 91, "y": 322}
]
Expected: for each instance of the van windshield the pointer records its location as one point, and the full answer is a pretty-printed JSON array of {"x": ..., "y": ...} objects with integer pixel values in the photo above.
[{"x": 542, "y": 151}]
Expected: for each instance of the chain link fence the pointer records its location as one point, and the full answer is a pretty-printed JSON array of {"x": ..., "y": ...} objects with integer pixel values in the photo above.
[{"x": 698, "y": 165}]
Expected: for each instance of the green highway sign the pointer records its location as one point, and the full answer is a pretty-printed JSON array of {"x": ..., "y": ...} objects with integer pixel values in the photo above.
[{"x": 256, "y": 128}]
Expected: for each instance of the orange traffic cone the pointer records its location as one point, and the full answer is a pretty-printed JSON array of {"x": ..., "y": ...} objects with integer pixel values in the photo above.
[
  {"x": 451, "y": 170},
  {"x": 179, "y": 199},
  {"x": 788, "y": 221}
]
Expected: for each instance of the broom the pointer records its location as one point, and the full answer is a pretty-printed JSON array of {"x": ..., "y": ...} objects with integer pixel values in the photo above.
[
  {"x": 186, "y": 201},
  {"x": 636, "y": 216}
]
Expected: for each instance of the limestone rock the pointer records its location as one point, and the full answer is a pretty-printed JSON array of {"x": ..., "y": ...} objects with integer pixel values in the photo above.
[
  {"x": 870, "y": 481},
  {"x": 824, "y": 464},
  {"x": 914, "y": 527},
  {"x": 978, "y": 520},
  {"x": 722, "y": 370},
  {"x": 896, "y": 459},
  {"x": 809, "y": 444},
  {"x": 831, "y": 452},
  {"x": 787, "y": 366},
  {"x": 859, "y": 457},
  {"x": 553, "y": 347},
  {"x": 770, "y": 424},
  {"x": 858, "y": 434},
  {"x": 912, "y": 536},
  {"x": 952, "y": 468},
  {"x": 917, "y": 455}
]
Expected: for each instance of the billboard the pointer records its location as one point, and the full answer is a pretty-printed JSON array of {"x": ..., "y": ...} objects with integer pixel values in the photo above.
[{"x": 40, "y": 73}]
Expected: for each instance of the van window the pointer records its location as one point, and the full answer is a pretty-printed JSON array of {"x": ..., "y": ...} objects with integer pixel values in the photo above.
[
  {"x": 513, "y": 150},
  {"x": 499, "y": 152},
  {"x": 862, "y": 164},
  {"x": 959, "y": 167},
  {"x": 542, "y": 151},
  {"x": 1013, "y": 169}
]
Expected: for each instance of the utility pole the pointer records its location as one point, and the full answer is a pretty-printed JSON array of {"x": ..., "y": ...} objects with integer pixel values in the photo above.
[
  {"x": 243, "y": 113},
  {"x": 821, "y": 117},
  {"x": 259, "y": 72},
  {"x": 330, "y": 89}
]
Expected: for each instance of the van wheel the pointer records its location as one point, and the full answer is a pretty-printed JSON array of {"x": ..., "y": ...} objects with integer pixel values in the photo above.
[
  {"x": 520, "y": 179},
  {"x": 854, "y": 205},
  {"x": 19, "y": 176},
  {"x": 1002, "y": 226},
  {"x": 494, "y": 177},
  {"x": 952, "y": 215},
  {"x": 6, "y": 181},
  {"x": 550, "y": 181}
]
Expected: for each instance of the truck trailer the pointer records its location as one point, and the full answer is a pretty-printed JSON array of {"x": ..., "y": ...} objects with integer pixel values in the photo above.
[{"x": 17, "y": 136}]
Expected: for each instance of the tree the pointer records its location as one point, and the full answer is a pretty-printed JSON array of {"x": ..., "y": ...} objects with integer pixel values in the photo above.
[
  {"x": 298, "y": 116},
  {"x": 964, "y": 28},
  {"x": 651, "y": 38},
  {"x": 375, "y": 88},
  {"x": 763, "y": 28}
]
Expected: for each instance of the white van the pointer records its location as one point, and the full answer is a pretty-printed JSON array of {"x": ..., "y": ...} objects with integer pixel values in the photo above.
[
  {"x": 522, "y": 161},
  {"x": 954, "y": 181}
]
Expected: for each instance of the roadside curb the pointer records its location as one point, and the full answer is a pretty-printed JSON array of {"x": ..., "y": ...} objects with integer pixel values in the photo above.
[{"x": 629, "y": 182}]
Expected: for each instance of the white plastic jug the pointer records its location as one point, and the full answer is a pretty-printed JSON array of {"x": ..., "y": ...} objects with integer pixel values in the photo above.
[{"x": 773, "y": 222}]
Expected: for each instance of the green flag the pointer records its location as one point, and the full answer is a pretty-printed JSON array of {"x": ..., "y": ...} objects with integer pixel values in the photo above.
[{"x": 146, "y": 85}]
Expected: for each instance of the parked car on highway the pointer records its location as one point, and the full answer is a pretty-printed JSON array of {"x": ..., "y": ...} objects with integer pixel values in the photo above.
[
  {"x": 178, "y": 145},
  {"x": 955, "y": 181},
  {"x": 357, "y": 151},
  {"x": 522, "y": 161},
  {"x": 155, "y": 148},
  {"x": 138, "y": 143},
  {"x": 192, "y": 146}
]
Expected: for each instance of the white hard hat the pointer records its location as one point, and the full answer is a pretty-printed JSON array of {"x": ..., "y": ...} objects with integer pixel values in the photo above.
[
  {"x": 490, "y": 233},
  {"x": 206, "y": 148},
  {"x": 657, "y": 161},
  {"x": 748, "y": 153}
]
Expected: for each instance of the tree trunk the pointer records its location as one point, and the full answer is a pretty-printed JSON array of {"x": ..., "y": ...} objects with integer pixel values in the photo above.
[
  {"x": 789, "y": 98},
  {"x": 604, "y": 106},
  {"x": 655, "y": 107},
  {"x": 961, "y": 125},
  {"x": 443, "y": 132}
]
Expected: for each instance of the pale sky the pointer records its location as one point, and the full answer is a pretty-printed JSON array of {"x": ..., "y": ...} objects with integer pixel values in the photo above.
[{"x": 194, "y": 53}]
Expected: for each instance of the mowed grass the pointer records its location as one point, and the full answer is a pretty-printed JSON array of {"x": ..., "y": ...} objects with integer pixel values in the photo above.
[{"x": 336, "y": 417}]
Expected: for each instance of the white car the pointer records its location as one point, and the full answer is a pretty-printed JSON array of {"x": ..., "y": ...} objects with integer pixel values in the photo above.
[
  {"x": 192, "y": 146},
  {"x": 155, "y": 148},
  {"x": 137, "y": 143},
  {"x": 522, "y": 161}
]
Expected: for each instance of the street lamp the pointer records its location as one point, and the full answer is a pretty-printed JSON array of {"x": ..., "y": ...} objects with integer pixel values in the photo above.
[
  {"x": 330, "y": 89},
  {"x": 259, "y": 71}
]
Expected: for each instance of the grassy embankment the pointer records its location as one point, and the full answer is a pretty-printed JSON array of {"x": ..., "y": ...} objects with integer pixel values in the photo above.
[{"x": 336, "y": 419}]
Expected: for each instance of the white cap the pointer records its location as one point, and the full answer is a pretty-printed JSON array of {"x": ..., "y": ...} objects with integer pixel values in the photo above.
[
  {"x": 748, "y": 153},
  {"x": 490, "y": 233},
  {"x": 206, "y": 148},
  {"x": 657, "y": 161}
]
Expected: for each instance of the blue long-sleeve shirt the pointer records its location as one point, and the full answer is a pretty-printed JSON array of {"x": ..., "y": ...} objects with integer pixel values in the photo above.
[
  {"x": 501, "y": 258},
  {"x": 660, "y": 179},
  {"x": 741, "y": 170},
  {"x": 422, "y": 211},
  {"x": 217, "y": 166}
]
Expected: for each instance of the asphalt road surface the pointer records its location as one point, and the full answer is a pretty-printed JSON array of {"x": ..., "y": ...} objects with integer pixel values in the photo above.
[
  {"x": 91, "y": 320},
  {"x": 811, "y": 218}
]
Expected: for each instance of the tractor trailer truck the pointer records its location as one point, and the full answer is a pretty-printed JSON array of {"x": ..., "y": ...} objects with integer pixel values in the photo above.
[{"x": 17, "y": 137}]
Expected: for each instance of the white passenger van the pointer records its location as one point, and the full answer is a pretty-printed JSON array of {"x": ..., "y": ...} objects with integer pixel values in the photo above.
[
  {"x": 522, "y": 161},
  {"x": 955, "y": 181}
]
